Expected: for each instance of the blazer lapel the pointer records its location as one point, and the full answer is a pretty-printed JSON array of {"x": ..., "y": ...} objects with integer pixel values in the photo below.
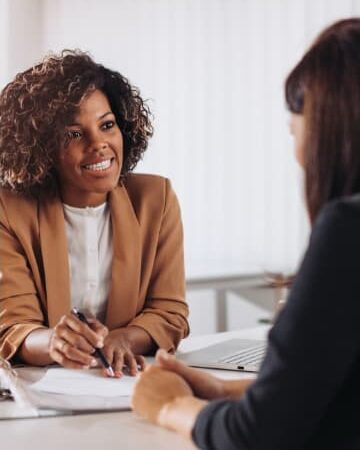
[
  {"x": 53, "y": 243},
  {"x": 126, "y": 266}
]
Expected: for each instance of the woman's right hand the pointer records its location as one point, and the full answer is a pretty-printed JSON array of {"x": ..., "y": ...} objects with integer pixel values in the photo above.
[{"x": 72, "y": 342}]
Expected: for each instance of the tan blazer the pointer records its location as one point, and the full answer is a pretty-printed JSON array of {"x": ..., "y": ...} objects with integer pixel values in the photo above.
[{"x": 147, "y": 285}]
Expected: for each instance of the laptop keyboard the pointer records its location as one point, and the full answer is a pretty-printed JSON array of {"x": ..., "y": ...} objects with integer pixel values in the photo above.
[{"x": 251, "y": 356}]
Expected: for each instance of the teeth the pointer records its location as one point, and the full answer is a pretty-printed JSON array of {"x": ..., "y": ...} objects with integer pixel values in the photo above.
[{"x": 103, "y": 165}]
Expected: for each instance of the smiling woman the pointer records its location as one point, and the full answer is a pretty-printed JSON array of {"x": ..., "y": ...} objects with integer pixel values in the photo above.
[
  {"x": 77, "y": 228},
  {"x": 90, "y": 164}
]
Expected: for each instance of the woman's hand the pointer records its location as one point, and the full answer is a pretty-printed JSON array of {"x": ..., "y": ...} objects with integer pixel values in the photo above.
[
  {"x": 118, "y": 351},
  {"x": 155, "y": 389},
  {"x": 204, "y": 385},
  {"x": 73, "y": 342}
]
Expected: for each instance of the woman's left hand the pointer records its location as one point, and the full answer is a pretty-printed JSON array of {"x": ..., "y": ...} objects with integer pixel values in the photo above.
[
  {"x": 155, "y": 389},
  {"x": 118, "y": 352}
]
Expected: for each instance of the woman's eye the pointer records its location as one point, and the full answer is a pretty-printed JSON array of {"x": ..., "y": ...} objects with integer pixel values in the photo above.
[
  {"x": 108, "y": 124},
  {"x": 74, "y": 134}
]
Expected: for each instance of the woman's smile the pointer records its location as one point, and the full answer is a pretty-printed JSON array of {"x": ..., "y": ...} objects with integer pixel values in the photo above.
[
  {"x": 102, "y": 167},
  {"x": 90, "y": 164}
]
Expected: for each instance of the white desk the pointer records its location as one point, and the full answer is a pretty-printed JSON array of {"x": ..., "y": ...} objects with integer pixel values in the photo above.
[{"x": 120, "y": 430}]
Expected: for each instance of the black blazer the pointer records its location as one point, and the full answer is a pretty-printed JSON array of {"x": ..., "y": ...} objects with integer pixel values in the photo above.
[{"x": 307, "y": 394}]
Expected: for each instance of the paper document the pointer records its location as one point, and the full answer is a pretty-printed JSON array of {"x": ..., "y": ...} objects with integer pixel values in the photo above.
[
  {"x": 52, "y": 391},
  {"x": 84, "y": 383}
]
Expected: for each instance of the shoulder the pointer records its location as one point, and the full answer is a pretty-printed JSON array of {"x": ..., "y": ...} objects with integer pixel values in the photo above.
[
  {"x": 148, "y": 189},
  {"x": 337, "y": 227},
  {"x": 339, "y": 215},
  {"x": 11, "y": 198},
  {"x": 151, "y": 196},
  {"x": 344, "y": 208},
  {"x": 143, "y": 182},
  {"x": 15, "y": 206}
]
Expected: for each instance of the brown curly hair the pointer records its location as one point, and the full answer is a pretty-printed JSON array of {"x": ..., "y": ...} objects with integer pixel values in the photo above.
[{"x": 36, "y": 106}]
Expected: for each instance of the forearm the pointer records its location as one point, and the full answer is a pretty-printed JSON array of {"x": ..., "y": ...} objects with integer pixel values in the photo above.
[
  {"x": 180, "y": 415},
  {"x": 35, "y": 348},
  {"x": 236, "y": 388}
]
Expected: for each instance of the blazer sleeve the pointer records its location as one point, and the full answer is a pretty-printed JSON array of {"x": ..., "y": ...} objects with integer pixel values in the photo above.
[
  {"x": 299, "y": 382},
  {"x": 20, "y": 311},
  {"x": 165, "y": 312}
]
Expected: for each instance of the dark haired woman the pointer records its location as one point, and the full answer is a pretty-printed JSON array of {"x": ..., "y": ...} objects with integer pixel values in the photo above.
[
  {"x": 77, "y": 229},
  {"x": 307, "y": 393}
]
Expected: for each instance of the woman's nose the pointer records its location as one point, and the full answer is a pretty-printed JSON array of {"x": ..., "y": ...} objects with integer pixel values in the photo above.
[{"x": 96, "y": 143}]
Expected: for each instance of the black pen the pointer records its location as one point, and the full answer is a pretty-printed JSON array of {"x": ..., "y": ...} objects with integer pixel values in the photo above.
[{"x": 98, "y": 353}]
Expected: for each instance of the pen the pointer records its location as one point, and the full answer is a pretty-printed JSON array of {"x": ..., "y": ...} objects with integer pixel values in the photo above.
[{"x": 98, "y": 353}]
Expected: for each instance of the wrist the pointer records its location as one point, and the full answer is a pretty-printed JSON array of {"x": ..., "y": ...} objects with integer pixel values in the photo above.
[
  {"x": 180, "y": 414},
  {"x": 221, "y": 389},
  {"x": 35, "y": 348},
  {"x": 235, "y": 388}
]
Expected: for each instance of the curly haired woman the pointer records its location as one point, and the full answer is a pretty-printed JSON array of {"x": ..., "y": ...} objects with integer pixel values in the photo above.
[{"x": 77, "y": 229}]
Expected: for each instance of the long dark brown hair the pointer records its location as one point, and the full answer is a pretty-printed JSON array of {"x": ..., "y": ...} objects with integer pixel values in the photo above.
[{"x": 325, "y": 87}]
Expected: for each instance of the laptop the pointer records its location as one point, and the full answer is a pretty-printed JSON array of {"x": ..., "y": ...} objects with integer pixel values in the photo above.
[{"x": 235, "y": 354}]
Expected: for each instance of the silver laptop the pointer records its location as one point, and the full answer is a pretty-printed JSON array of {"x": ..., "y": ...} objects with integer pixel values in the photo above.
[{"x": 235, "y": 354}]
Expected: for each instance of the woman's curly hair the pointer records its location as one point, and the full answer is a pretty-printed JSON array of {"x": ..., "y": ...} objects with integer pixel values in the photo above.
[{"x": 36, "y": 106}]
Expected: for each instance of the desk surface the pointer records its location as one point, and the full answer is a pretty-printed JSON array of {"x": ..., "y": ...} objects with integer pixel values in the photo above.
[{"x": 118, "y": 430}]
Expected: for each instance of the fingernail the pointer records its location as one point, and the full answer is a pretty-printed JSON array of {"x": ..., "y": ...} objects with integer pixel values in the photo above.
[
  {"x": 100, "y": 344},
  {"x": 93, "y": 363},
  {"x": 110, "y": 372}
]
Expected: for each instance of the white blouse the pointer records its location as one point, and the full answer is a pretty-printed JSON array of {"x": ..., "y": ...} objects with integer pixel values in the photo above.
[{"x": 89, "y": 235}]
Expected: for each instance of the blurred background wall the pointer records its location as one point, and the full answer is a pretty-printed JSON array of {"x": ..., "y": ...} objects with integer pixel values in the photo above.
[{"x": 213, "y": 73}]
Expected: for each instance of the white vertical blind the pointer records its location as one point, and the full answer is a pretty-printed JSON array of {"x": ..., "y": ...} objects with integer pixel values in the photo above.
[
  {"x": 213, "y": 71},
  {"x": 21, "y": 26}
]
